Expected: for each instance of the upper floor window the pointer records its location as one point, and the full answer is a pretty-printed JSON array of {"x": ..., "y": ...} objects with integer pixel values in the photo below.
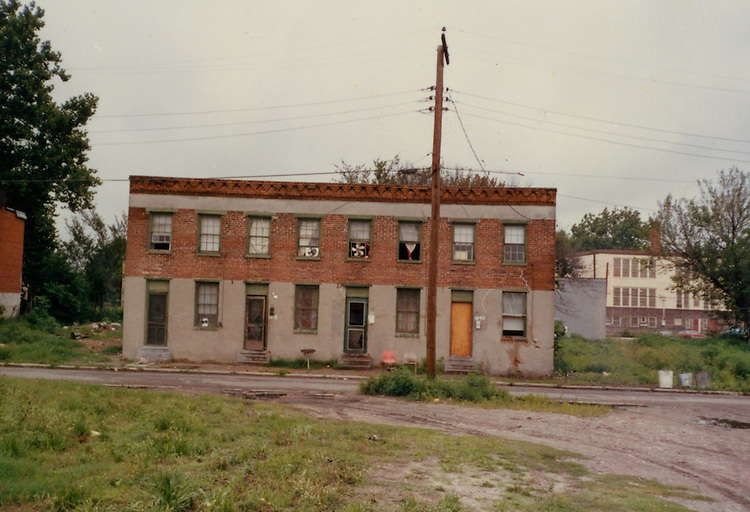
[
  {"x": 514, "y": 245},
  {"x": 463, "y": 242},
  {"x": 308, "y": 241},
  {"x": 209, "y": 233},
  {"x": 160, "y": 227},
  {"x": 258, "y": 236},
  {"x": 409, "y": 245},
  {"x": 359, "y": 239}
]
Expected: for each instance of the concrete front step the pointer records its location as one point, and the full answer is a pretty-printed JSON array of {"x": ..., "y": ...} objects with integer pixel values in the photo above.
[
  {"x": 153, "y": 354},
  {"x": 253, "y": 357},
  {"x": 459, "y": 364},
  {"x": 361, "y": 361}
]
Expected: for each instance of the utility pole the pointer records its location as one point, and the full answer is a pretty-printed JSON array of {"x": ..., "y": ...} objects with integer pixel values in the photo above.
[{"x": 442, "y": 54}]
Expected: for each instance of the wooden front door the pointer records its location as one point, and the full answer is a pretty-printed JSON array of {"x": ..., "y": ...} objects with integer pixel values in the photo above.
[
  {"x": 461, "y": 329},
  {"x": 255, "y": 325},
  {"x": 356, "y": 325},
  {"x": 157, "y": 319}
]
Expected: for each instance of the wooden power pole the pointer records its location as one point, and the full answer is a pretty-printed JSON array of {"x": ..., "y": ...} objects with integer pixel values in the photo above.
[{"x": 442, "y": 55}]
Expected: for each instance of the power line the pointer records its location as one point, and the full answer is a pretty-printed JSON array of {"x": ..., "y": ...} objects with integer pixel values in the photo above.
[
  {"x": 249, "y": 134},
  {"x": 261, "y": 121},
  {"x": 254, "y": 109},
  {"x": 466, "y": 135},
  {"x": 607, "y": 121}
]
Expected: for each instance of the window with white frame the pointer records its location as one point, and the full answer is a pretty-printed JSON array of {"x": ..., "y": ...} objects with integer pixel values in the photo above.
[
  {"x": 209, "y": 233},
  {"x": 409, "y": 242},
  {"x": 514, "y": 314},
  {"x": 207, "y": 305},
  {"x": 306, "y": 308},
  {"x": 359, "y": 239},
  {"x": 463, "y": 242},
  {"x": 308, "y": 241},
  {"x": 407, "y": 310},
  {"x": 616, "y": 297},
  {"x": 160, "y": 227},
  {"x": 258, "y": 236},
  {"x": 514, "y": 244}
]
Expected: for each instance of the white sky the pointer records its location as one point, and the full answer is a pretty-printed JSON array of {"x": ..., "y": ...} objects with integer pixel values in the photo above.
[{"x": 613, "y": 103}]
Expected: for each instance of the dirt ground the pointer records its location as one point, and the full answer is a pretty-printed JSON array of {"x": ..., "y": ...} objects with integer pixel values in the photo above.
[{"x": 669, "y": 444}]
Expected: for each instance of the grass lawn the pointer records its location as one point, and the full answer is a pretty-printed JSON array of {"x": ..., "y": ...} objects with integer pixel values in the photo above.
[{"x": 78, "y": 447}]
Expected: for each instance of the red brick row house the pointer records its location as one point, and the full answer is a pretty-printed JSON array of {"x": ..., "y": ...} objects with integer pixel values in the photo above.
[
  {"x": 231, "y": 270},
  {"x": 12, "y": 225}
]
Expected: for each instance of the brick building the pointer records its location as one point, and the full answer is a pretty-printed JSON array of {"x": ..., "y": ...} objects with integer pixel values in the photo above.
[
  {"x": 229, "y": 270},
  {"x": 12, "y": 224}
]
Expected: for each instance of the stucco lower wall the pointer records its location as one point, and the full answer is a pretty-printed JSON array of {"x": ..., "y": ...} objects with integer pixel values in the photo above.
[
  {"x": 11, "y": 304},
  {"x": 532, "y": 356}
]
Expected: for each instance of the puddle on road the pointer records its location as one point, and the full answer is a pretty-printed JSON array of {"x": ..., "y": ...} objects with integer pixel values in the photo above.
[{"x": 723, "y": 422}]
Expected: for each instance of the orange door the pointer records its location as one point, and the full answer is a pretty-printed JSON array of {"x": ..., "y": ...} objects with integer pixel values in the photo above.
[{"x": 461, "y": 329}]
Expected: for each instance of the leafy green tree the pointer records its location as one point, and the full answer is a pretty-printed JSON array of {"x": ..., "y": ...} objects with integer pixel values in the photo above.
[
  {"x": 43, "y": 144},
  {"x": 566, "y": 264},
  {"x": 708, "y": 239},
  {"x": 620, "y": 229},
  {"x": 394, "y": 172},
  {"x": 97, "y": 252}
]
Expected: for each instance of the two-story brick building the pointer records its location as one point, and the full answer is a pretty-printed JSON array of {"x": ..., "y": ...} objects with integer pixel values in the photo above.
[{"x": 230, "y": 270}]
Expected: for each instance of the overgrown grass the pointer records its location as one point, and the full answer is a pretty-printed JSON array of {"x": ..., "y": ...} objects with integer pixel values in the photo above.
[
  {"x": 38, "y": 338},
  {"x": 473, "y": 388},
  {"x": 636, "y": 361},
  {"x": 299, "y": 364},
  {"x": 76, "y": 447}
]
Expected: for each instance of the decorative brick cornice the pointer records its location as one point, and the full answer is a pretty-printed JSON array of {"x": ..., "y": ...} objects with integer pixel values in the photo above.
[{"x": 338, "y": 191}]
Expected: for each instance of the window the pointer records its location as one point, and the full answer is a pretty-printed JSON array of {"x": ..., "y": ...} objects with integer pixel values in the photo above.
[
  {"x": 306, "y": 308},
  {"x": 209, "y": 233},
  {"x": 652, "y": 322},
  {"x": 409, "y": 246},
  {"x": 407, "y": 311},
  {"x": 644, "y": 298},
  {"x": 679, "y": 299},
  {"x": 463, "y": 242},
  {"x": 625, "y": 267},
  {"x": 161, "y": 232},
  {"x": 643, "y": 264},
  {"x": 617, "y": 267},
  {"x": 626, "y": 296},
  {"x": 207, "y": 305},
  {"x": 633, "y": 321},
  {"x": 308, "y": 243},
  {"x": 514, "y": 314},
  {"x": 652, "y": 297},
  {"x": 677, "y": 322},
  {"x": 514, "y": 246},
  {"x": 359, "y": 239},
  {"x": 258, "y": 236},
  {"x": 616, "y": 297}
]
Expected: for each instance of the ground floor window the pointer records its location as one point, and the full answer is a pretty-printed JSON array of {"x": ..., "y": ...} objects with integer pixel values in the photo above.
[
  {"x": 306, "y": 308},
  {"x": 407, "y": 311},
  {"x": 207, "y": 305},
  {"x": 514, "y": 314}
]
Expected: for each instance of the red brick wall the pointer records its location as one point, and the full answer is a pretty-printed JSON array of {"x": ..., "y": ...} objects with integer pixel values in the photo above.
[
  {"x": 11, "y": 251},
  {"x": 382, "y": 268}
]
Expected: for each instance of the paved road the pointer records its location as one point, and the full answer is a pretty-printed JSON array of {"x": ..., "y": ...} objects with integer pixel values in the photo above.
[{"x": 296, "y": 383}]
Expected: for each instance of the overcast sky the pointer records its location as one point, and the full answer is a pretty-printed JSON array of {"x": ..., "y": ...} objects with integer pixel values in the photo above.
[{"x": 613, "y": 103}]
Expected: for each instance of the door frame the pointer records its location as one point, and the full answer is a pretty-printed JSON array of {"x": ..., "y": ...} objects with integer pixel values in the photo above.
[
  {"x": 462, "y": 297},
  {"x": 348, "y": 326},
  {"x": 264, "y": 321}
]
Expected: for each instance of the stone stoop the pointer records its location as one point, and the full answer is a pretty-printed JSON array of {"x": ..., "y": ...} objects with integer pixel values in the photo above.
[
  {"x": 459, "y": 364},
  {"x": 253, "y": 357},
  {"x": 153, "y": 354},
  {"x": 355, "y": 360}
]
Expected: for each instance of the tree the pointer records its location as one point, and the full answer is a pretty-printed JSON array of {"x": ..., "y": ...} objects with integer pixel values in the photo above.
[
  {"x": 708, "y": 240},
  {"x": 393, "y": 172},
  {"x": 97, "y": 252},
  {"x": 620, "y": 229},
  {"x": 566, "y": 264},
  {"x": 43, "y": 145}
]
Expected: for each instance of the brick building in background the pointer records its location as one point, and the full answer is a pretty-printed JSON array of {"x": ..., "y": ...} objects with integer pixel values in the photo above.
[
  {"x": 12, "y": 224},
  {"x": 229, "y": 270}
]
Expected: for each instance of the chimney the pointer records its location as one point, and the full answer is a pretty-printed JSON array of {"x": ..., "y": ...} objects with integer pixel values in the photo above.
[{"x": 655, "y": 239}]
